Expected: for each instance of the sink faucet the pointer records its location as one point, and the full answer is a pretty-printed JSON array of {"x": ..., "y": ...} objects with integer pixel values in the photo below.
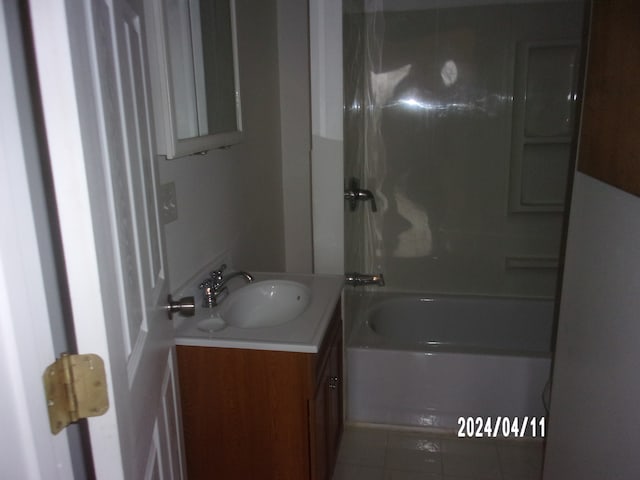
[{"x": 215, "y": 287}]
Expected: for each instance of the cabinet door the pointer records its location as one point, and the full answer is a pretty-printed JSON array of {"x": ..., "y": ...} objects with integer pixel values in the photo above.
[
  {"x": 333, "y": 403},
  {"x": 319, "y": 454},
  {"x": 326, "y": 427},
  {"x": 245, "y": 413}
]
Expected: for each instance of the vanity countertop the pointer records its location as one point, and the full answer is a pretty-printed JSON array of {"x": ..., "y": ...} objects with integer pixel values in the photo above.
[{"x": 303, "y": 334}]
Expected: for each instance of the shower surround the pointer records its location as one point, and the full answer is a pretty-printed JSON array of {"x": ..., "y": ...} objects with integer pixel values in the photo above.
[{"x": 460, "y": 121}]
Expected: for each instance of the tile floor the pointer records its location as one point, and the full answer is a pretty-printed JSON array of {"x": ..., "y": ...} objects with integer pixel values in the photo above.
[{"x": 378, "y": 454}]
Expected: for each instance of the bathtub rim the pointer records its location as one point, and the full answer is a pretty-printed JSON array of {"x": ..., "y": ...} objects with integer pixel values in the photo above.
[{"x": 363, "y": 336}]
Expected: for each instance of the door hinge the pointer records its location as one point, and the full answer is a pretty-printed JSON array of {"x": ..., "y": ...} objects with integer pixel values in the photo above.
[{"x": 75, "y": 387}]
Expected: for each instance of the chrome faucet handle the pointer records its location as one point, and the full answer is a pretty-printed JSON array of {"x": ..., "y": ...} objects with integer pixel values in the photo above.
[
  {"x": 218, "y": 271},
  {"x": 208, "y": 298},
  {"x": 353, "y": 193},
  {"x": 217, "y": 275}
]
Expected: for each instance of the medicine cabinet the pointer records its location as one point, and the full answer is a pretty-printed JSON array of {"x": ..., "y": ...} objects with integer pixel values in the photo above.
[{"x": 193, "y": 60}]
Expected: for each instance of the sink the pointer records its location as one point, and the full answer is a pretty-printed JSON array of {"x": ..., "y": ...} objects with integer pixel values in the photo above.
[
  {"x": 249, "y": 319},
  {"x": 265, "y": 304}
]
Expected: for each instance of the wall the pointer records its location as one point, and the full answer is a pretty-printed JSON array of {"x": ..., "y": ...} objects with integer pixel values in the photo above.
[
  {"x": 593, "y": 428},
  {"x": 468, "y": 125},
  {"x": 295, "y": 132},
  {"x": 325, "y": 32},
  {"x": 231, "y": 200}
]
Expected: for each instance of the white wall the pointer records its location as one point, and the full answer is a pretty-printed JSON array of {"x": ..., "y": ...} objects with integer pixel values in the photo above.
[
  {"x": 295, "y": 116},
  {"x": 325, "y": 30},
  {"x": 231, "y": 200},
  {"x": 594, "y": 429}
]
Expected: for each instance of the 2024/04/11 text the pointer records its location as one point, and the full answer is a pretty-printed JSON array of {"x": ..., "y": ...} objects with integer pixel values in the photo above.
[{"x": 479, "y": 427}]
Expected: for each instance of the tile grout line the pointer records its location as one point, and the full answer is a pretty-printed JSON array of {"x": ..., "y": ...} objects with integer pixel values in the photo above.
[
  {"x": 385, "y": 441},
  {"x": 499, "y": 460},
  {"x": 386, "y": 453}
]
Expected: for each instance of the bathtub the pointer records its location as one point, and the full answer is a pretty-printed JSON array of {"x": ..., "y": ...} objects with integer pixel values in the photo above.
[{"x": 428, "y": 361}]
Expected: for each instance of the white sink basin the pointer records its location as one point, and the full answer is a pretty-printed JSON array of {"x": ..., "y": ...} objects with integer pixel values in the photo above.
[
  {"x": 265, "y": 304},
  {"x": 302, "y": 333}
]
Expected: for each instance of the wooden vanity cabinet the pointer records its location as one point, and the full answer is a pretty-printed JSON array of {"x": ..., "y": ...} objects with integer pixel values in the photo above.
[
  {"x": 258, "y": 414},
  {"x": 325, "y": 408}
]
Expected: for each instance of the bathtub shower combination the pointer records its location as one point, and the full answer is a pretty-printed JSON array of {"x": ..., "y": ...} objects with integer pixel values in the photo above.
[
  {"x": 458, "y": 124},
  {"x": 426, "y": 361}
]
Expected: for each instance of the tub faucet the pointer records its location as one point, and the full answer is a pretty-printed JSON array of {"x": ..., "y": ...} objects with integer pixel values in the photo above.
[
  {"x": 361, "y": 279},
  {"x": 215, "y": 287}
]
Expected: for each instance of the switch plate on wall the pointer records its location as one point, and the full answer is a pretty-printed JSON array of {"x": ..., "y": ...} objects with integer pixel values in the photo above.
[{"x": 168, "y": 203}]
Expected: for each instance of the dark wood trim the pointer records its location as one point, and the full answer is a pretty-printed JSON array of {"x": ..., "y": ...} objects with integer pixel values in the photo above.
[{"x": 609, "y": 143}]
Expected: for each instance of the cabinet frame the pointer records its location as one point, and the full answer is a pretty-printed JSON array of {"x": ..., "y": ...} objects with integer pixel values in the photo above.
[{"x": 262, "y": 414}]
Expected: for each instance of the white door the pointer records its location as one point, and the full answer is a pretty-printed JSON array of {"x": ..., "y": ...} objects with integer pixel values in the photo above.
[{"x": 93, "y": 76}]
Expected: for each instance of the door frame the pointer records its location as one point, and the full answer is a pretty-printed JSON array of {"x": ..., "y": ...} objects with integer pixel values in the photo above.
[{"x": 27, "y": 331}]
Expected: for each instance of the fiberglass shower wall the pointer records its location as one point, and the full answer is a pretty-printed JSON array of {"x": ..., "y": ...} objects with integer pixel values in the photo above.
[{"x": 460, "y": 121}]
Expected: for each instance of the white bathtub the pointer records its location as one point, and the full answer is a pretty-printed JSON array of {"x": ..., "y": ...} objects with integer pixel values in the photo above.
[{"x": 427, "y": 361}]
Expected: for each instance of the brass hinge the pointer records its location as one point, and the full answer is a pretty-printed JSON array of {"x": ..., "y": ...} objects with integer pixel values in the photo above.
[{"x": 76, "y": 387}]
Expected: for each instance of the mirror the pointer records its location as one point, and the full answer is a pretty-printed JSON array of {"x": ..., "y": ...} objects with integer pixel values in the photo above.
[{"x": 193, "y": 55}]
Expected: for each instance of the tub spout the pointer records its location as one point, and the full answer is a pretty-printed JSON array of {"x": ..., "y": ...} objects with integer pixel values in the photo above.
[{"x": 361, "y": 279}]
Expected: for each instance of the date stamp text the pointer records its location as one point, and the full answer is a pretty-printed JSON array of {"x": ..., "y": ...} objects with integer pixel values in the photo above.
[{"x": 483, "y": 427}]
